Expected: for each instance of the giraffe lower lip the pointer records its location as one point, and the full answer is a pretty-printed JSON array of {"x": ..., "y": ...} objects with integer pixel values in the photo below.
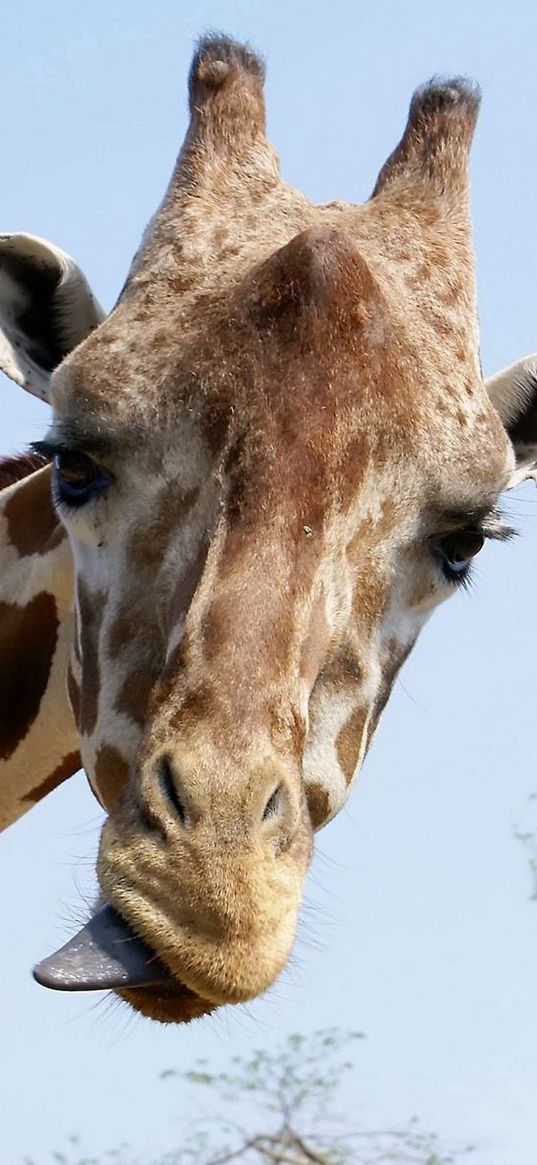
[{"x": 103, "y": 956}]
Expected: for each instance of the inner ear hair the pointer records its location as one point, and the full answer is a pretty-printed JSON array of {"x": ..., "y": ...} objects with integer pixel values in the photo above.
[{"x": 46, "y": 309}]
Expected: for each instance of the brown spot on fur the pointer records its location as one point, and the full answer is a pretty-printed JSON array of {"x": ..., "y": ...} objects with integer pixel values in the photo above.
[
  {"x": 441, "y": 324},
  {"x": 450, "y": 292},
  {"x": 111, "y": 772},
  {"x": 91, "y": 608},
  {"x": 220, "y": 235},
  {"x": 69, "y": 765},
  {"x": 33, "y": 525},
  {"x": 344, "y": 668},
  {"x": 197, "y": 705},
  {"x": 231, "y": 251},
  {"x": 147, "y": 547},
  {"x": 76, "y": 637},
  {"x": 318, "y": 805},
  {"x": 419, "y": 276},
  {"x": 371, "y": 593},
  {"x": 128, "y": 625},
  {"x": 179, "y": 283},
  {"x": 349, "y": 742},
  {"x": 133, "y": 696},
  {"x": 28, "y": 637}
]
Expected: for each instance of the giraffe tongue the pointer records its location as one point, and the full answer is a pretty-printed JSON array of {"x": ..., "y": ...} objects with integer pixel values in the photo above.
[{"x": 105, "y": 954}]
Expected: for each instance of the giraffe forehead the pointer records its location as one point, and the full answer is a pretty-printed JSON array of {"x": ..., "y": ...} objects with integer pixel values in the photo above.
[{"x": 300, "y": 339}]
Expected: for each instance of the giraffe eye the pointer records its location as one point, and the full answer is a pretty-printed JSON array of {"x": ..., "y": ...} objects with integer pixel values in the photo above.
[
  {"x": 77, "y": 478},
  {"x": 456, "y": 552}
]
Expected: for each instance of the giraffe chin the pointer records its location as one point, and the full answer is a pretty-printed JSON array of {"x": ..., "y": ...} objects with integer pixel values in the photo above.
[{"x": 170, "y": 1002}]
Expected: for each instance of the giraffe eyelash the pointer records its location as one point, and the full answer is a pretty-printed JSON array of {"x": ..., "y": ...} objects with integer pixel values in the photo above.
[
  {"x": 494, "y": 528},
  {"x": 47, "y": 449},
  {"x": 491, "y": 525}
]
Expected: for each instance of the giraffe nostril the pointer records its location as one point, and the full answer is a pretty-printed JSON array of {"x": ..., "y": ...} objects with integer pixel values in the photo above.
[
  {"x": 273, "y": 804},
  {"x": 171, "y": 792}
]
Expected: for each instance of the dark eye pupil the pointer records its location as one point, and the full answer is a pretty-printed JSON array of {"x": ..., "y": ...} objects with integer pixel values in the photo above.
[
  {"x": 75, "y": 469},
  {"x": 455, "y": 553},
  {"x": 78, "y": 479},
  {"x": 457, "y": 550},
  {"x": 460, "y": 547}
]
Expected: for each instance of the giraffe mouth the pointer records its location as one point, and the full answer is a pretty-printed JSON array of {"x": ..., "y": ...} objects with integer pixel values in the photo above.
[{"x": 105, "y": 955}]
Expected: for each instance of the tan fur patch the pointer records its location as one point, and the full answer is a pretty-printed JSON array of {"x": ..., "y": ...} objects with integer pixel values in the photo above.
[
  {"x": 33, "y": 525},
  {"x": 315, "y": 646},
  {"x": 349, "y": 742}
]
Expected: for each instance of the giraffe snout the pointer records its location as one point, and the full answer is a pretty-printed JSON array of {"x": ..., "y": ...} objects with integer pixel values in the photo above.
[
  {"x": 205, "y": 860},
  {"x": 196, "y": 794}
]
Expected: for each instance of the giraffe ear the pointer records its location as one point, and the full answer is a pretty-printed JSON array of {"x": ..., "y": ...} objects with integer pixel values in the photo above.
[
  {"x": 513, "y": 392},
  {"x": 46, "y": 309}
]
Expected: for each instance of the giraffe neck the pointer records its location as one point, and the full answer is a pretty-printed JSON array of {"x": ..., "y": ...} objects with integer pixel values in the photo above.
[{"x": 38, "y": 738}]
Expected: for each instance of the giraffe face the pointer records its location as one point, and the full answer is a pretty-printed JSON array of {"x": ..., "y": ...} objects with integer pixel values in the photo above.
[
  {"x": 255, "y": 555},
  {"x": 273, "y": 460}
]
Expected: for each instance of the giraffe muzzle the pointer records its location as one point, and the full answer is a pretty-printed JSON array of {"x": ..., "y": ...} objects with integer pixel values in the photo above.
[{"x": 104, "y": 955}]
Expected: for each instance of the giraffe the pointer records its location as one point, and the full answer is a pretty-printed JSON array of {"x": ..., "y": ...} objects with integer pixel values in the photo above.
[{"x": 271, "y": 461}]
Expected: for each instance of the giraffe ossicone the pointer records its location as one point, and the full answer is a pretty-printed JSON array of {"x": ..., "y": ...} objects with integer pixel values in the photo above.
[{"x": 271, "y": 462}]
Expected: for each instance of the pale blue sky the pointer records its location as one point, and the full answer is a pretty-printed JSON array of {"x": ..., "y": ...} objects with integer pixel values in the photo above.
[{"x": 419, "y": 929}]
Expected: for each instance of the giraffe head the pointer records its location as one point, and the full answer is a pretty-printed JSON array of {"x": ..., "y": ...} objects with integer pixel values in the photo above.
[{"x": 273, "y": 459}]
